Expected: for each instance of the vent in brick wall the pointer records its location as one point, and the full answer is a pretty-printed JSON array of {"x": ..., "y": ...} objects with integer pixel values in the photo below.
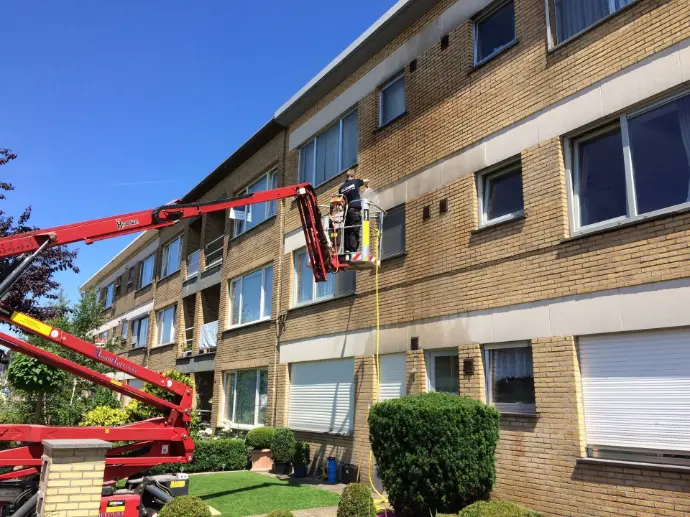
[
  {"x": 426, "y": 213},
  {"x": 413, "y": 65},
  {"x": 444, "y": 42},
  {"x": 414, "y": 343},
  {"x": 443, "y": 206}
]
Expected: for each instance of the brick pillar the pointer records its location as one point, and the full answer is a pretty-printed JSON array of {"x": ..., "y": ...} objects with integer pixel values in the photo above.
[
  {"x": 279, "y": 392},
  {"x": 415, "y": 372},
  {"x": 365, "y": 380},
  {"x": 472, "y": 386},
  {"x": 71, "y": 478}
]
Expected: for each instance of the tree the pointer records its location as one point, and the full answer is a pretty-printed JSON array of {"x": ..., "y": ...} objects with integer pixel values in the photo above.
[{"x": 37, "y": 285}]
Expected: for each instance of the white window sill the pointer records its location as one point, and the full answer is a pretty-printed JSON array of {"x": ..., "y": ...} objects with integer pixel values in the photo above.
[
  {"x": 321, "y": 300},
  {"x": 633, "y": 465},
  {"x": 168, "y": 275},
  {"x": 248, "y": 324},
  {"x": 193, "y": 275},
  {"x": 613, "y": 224},
  {"x": 240, "y": 427},
  {"x": 500, "y": 220},
  {"x": 213, "y": 264},
  {"x": 495, "y": 53}
]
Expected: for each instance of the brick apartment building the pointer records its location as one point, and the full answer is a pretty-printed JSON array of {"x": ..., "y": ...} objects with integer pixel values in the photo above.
[{"x": 533, "y": 158}]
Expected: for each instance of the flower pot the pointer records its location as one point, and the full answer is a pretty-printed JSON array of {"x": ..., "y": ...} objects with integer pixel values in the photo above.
[
  {"x": 261, "y": 460},
  {"x": 300, "y": 471},
  {"x": 282, "y": 468}
]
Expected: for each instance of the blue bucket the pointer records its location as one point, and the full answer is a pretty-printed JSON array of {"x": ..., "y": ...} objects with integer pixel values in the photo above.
[{"x": 332, "y": 471}]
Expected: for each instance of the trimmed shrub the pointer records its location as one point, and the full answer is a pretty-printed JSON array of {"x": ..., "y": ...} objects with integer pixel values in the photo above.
[
  {"x": 356, "y": 501},
  {"x": 497, "y": 509},
  {"x": 446, "y": 515},
  {"x": 283, "y": 448},
  {"x": 302, "y": 454},
  {"x": 434, "y": 451},
  {"x": 185, "y": 506},
  {"x": 261, "y": 438},
  {"x": 104, "y": 416},
  {"x": 280, "y": 513},
  {"x": 209, "y": 456}
]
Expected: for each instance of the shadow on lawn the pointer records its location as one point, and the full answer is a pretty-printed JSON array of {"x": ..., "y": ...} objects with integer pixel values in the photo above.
[{"x": 243, "y": 489}]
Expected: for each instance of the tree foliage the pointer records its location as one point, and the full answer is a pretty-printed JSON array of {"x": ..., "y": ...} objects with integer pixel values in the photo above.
[{"x": 37, "y": 285}]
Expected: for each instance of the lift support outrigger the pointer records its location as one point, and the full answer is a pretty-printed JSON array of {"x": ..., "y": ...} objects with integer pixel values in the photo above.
[{"x": 158, "y": 440}]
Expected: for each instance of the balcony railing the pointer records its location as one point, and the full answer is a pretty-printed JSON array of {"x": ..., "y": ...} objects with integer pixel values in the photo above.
[
  {"x": 214, "y": 252},
  {"x": 193, "y": 264},
  {"x": 209, "y": 336}
]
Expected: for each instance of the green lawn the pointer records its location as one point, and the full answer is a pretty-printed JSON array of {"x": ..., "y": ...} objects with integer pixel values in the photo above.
[{"x": 236, "y": 494}]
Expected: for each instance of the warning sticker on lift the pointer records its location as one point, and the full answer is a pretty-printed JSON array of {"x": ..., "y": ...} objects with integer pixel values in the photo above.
[
  {"x": 177, "y": 484},
  {"x": 27, "y": 321}
]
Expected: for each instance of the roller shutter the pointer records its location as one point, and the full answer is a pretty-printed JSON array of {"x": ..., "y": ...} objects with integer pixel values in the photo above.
[{"x": 392, "y": 376}]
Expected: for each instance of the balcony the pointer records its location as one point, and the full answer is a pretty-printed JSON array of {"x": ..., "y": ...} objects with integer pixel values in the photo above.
[
  {"x": 214, "y": 252},
  {"x": 209, "y": 337},
  {"x": 193, "y": 264}
]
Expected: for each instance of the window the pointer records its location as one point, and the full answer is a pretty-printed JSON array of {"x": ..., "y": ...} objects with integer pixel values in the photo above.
[
  {"x": 574, "y": 16},
  {"x": 322, "y": 396},
  {"x": 102, "y": 339},
  {"x": 258, "y": 213},
  {"x": 494, "y": 32},
  {"x": 246, "y": 397},
  {"x": 392, "y": 376},
  {"x": 109, "y": 295},
  {"x": 636, "y": 395},
  {"x": 136, "y": 383},
  {"x": 251, "y": 297},
  {"x": 392, "y": 100},
  {"x": 165, "y": 322},
  {"x": 393, "y": 232},
  {"x": 125, "y": 330},
  {"x": 146, "y": 271},
  {"x": 172, "y": 255},
  {"x": 140, "y": 332},
  {"x": 442, "y": 372},
  {"x": 331, "y": 152},
  {"x": 500, "y": 195},
  {"x": 193, "y": 264},
  {"x": 307, "y": 290},
  {"x": 130, "y": 278},
  {"x": 636, "y": 167},
  {"x": 510, "y": 377}
]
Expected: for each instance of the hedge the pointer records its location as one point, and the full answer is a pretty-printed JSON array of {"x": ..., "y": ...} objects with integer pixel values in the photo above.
[
  {"x": 283, "y": 449},
  {"x": 209, "y": 456},
  {"x": 434, "y": 451},
  {"x": 185, "y": 506},
  {"x": 497, "y": 509},
  {"x": 356, "y": 501},
  {"x": 261, "y": 438}
]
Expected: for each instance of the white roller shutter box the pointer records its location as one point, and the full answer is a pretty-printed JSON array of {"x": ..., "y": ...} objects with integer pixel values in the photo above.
[
  {"x": 322, "y": 396},
  {"x": 636, "y": 390},
  {"x": 391, "y": 376}
]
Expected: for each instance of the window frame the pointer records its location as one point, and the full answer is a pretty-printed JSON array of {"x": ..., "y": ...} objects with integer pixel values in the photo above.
[
  {"x": 165, "y": 258},
  {"x": 151, "y": 257},
  {"x": 475, "y": 37},
  {"x": 239, "y": 227},
  {"x": 135, "y": 334},
  {"x": 257, "y": 398},
  {"x": 262, "y": 302},
  {"x": 401, "y": 208},
  {"x": 505, "y": 407},
  {"x": 482, "y": 194},
  {"x": 431, "y": 368},
  {"x": 313, "y": 142},
  {"x": 124, "y": 331},
  {"x": 296, "y": 278},
  {"x": 400, "y": 76},
  {"x": 159, "y": 324},
  {"x": 571, "y": 159},
  {"x": 109, "y": 298}
]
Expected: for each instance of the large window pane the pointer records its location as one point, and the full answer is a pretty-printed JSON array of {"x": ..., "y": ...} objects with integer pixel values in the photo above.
[
  {"x": 109, "y": 295},
  {"x": 263, "y": 397},
  {"x": 446, "y": 377},
  {"x": 230, "y": 396},
  {"x": 393, "y": 233},
  {"x": 251, "y": 297},
  {"x": 166, "y": 325},
  {"x": 349, "y": 157},
  {"x": 511, "y": 376},
  {"x": 392, "y": 100},
  {"x": 246, "y": 396},
  {"x": 171, "y": 258},
  {"x": 306, "y": 163},
  {"x": 327, "y": 154},
  {"x": 601, "y": 178},
  {"x": 305, "y": 278},
  {"x": 273, "y": 184},
  {"x": 235, "y": 291},
  {"x": 573, "y": 16},
  {"x": 660, "y": 142},
  {"x": 327, "y": 288},
  {"x": 140, "y": 331},
  {"x": 146, "y": 274},
  {"x": 495, "y": 31},
  {"x": 268, "y": 291},
  {"x": 503, "y": 194},
  {"x": 258, "y": 211}
]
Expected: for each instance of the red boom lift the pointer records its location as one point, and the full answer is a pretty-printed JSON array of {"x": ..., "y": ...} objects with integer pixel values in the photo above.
[{"x": 157, "y": 440}]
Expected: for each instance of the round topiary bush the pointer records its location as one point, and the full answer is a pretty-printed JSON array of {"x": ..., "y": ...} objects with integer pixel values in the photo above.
[
  {"x": 261, "y": 438},
  {"x": 434, "y": 451},
  {"x": 280, "y": 513},
  {"x": 185, "y": 506},
  {"x": 497, "y": 509},
  {"x": 356, "y": 501},
  {"x": 283, "y": 449}
]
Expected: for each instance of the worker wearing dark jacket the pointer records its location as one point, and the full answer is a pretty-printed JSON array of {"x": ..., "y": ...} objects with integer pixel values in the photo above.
[{"x": 353, "y": 218}]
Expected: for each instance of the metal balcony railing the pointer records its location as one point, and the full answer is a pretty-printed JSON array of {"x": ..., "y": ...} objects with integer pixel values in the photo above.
[
  {"x": 209, "y": 336},
  {"x": 193, "y": 264},
  {"x": 214, "y": 252}
]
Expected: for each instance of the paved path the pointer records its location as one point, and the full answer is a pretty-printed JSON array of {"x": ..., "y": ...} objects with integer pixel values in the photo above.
[{"x": 326, "y": 511}]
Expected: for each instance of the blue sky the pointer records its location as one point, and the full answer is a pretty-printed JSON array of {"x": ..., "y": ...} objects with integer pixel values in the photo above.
[{"x": 115, "y": 106}]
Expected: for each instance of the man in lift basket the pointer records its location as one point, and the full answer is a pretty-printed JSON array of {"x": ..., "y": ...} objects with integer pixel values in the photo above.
[{"x": 353, "y": 218}]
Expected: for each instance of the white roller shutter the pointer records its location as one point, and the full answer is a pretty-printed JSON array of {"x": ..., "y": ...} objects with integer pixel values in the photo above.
[
  {"x": 322, "y": 396},
  {"x": 391, "y": 376},
  {"x": 636, "y": 389}
]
